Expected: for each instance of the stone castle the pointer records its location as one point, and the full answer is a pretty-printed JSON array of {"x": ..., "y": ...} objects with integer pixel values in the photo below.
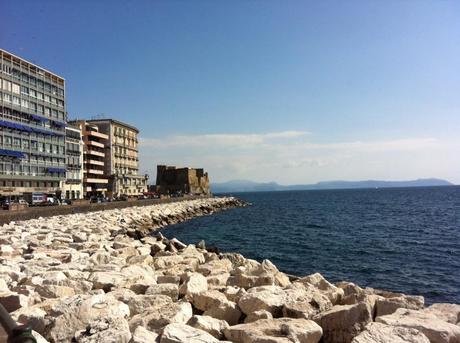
[{"x": 181, "y": 180}]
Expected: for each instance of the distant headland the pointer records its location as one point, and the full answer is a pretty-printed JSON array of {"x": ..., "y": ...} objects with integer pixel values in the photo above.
[{"x": 251, "y": 186}]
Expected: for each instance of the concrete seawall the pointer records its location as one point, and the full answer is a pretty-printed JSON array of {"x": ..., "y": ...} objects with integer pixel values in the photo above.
[{"x": 50, "y": 211}]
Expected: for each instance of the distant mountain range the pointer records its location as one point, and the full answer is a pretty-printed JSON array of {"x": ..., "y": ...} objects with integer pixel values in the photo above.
[{"x": 251, "y": 186}]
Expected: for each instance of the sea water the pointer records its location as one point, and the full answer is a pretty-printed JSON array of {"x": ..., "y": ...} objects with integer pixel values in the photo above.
[{"x": 400, "y": 239}]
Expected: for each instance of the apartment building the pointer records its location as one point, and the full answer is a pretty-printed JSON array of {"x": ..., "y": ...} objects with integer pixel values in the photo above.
[
  {"x": 95, "y": 181},
  {"x": 121, "y": 158},
  {"x": 32, "y": 127},
  {"x": 72, "y": 186}
]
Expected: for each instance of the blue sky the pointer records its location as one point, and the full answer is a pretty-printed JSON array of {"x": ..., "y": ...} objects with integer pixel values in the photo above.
[{"x": 286, "y": 91}]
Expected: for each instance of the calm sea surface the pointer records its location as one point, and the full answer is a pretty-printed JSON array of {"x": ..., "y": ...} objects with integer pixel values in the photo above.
[{"x": 405, "y": 239}]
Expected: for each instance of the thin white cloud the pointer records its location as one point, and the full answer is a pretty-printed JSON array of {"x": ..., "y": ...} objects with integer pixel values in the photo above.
[
  {"x": 293, "y": 157},
  {"x": 219, "y": 139}
]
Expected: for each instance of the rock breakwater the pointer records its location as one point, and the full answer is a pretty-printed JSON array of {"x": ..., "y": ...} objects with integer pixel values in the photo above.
[{"x": 99, "y": 277}]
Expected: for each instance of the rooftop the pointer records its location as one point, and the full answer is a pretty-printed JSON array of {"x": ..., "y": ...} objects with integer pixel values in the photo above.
[
  {"x": 13, "y": 56},
  {"x": 113, "y": 121}
]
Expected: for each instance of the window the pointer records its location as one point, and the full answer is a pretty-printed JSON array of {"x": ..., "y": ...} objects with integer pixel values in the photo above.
[
  {"x": 16, "y": 141},
  {"x": 40, "y": 95},
  {"x": 6, "y": 97},
  {"x": 33, "y": 80},
  {"x": 40, "y": 108},
  {"x": 48, "y": 111},
  {"x": 6, "y": 69},
  {"x": 24, "y": 103},
  {"x": 8, "y": 140},
  {"x": 24, "y": 90},
  {"x": 16, "y": 100},
  {"x": 7, "y": 85},
  {"x": 15, "y": 88},
  {"x": 33, "y": 93},
  {"x": 25, "y": 144},
  {"x": 47, "y": 98},
  {"x": 54, "y": 112}
]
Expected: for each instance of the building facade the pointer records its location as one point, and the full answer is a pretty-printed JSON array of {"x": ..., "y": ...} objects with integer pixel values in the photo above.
[
  {"x": 32, "y": 128},
  {"x": 172, "y": 180},
  {"x": 95, "y": 181},
  {"x": 72, "y": 186},
  {"x": 121, "y": 158}
]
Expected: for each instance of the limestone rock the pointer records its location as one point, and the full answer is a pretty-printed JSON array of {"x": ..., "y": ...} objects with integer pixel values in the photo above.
[
  {"x": 282, "y": 330},
  {"x": 254, "y": 274},
  {"x": 106, "y": 280},
  {"x": 105, "y": 330},
  {"x": 268, "y": 298},
  {"x": 343, "y": 322},
  {"x": 161, "y": 314},
  {"x": 194, "y": 283},
  {"x": 142, "y": 335},
  {"x": 334, "y": 293},
  {"x": 254, "y": 316},
  {"x": 12, "y": 301},
  {"x": 381, "y": 333},
  {"x": 208, "y": 299},
  {"x": 169, "y": 289},
  {"x": 447, "y": 312},
  {"x": 228, "y": 311},
  {"x": 182, "y": 333},
  {"x": 75, "y": 313},
  {"x": 211, "y": 325},
  {"x": 389, "y": 305},
  {"x": 437, "y": 331}
]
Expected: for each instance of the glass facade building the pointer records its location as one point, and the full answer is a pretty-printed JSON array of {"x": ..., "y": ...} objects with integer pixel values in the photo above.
[{"x": 32, "y": 128}]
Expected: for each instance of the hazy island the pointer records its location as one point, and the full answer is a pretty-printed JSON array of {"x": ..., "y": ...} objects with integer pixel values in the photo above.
[{"x": 251, "y": 186}]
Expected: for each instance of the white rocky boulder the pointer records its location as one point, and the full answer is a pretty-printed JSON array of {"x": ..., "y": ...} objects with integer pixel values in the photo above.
[
  {"x": 142, "y": 335},
  {"x": 182, "y": 333},
  {"x": 447, "y": 312},
  {"x": 211, "y": 325},
  {"x": 437, "y": 330},
  {"x": 342, "y": 323},
  {"x": 281, "y": 330},
  {"x": 381, "y": 333}
]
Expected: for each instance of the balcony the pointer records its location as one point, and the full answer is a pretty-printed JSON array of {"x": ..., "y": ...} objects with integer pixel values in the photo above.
[
  {"x": 94, "y": 171},
  {"x": 96, "y": 134},
  {"x": 95, "y": 180},
  {"x": 95, "y": 153},
  {"x": 95, "y": 162},
  {"x": 94, "y": 143}
]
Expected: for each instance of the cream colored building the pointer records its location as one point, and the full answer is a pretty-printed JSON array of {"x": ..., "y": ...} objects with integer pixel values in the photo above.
[
  {"x": 121, "y": 158},
  {"x": 72, "y": 186},
  {"x": 95, "y": 181}
]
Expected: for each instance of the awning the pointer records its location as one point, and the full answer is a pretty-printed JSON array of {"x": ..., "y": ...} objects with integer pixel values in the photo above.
[
  {"x": 56, "y": 170},
  {"x": 26, "y": 128},
  {"x": 12, "y": 153},
  {"x": 59, "y": 124},
  {"x": 39, "y": 118}
]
